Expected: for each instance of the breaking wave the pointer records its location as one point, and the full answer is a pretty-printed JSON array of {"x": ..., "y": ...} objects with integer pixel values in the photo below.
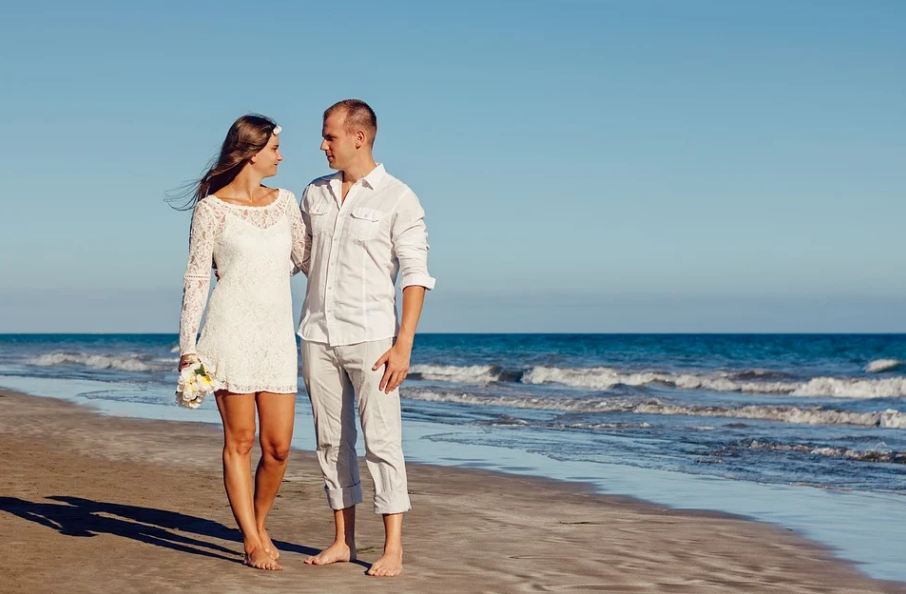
[
  {"x": 881, "y": 365},
  {"x": 123, "y": 362},
  {"x": 470, "y": 374},
  {"x": 605, "y": 378},
  {"x": 873, "y": 455},
  {"x": 755, "y": 381},
  {"x": 805, "y": 415}
]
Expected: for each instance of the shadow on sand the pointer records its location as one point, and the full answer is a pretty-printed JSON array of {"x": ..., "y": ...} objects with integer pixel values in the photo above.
[{"x": 74, "y": 516}]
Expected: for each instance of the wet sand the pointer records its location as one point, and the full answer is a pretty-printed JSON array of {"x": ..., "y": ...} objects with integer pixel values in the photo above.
[{"x": 92, "y": 503}]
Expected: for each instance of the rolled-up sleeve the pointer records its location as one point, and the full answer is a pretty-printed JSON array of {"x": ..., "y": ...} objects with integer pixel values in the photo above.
[{"x": 410, "y": 243}]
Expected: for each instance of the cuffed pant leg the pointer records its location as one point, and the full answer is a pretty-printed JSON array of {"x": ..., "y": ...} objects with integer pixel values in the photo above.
[
  {"x": 381, "y": 425},
  {"x": 333, "y": 407}
]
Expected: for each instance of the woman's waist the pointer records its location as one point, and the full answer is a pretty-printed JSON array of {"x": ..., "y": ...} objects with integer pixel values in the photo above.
[
  {"x": 248, "y": 295},
  {"x": 255, "y": 281}
]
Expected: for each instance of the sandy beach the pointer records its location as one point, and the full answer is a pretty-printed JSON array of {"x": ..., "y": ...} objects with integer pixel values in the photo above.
[{"x": 93, "y": 503}]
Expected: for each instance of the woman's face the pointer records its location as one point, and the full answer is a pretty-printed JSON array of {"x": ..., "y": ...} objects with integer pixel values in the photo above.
[{"x": 268, "y": 159}]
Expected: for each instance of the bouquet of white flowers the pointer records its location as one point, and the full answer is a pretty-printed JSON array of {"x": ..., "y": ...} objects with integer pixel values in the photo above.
[{"x": 193, "y": 385}]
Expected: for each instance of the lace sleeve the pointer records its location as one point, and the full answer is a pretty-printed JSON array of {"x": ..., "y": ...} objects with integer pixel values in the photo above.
[
  {"x": 206, "y": 227},
  {"x": 301, "y": 253}
]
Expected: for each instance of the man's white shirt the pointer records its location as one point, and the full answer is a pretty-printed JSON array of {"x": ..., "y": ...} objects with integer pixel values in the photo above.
[{"x": 358, "y": 248}]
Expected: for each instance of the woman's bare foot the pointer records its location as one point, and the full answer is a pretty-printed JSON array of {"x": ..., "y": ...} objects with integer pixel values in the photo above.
[
  {"x": 338, "y": 552},
  {"x": 268, "y": 544},
  {"x": 260, "y": 559},
  {"x": 389, "y": 565}
]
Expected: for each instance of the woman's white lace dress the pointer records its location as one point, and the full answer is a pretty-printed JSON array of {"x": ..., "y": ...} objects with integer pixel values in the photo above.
[{"x": 248, "y": 341}]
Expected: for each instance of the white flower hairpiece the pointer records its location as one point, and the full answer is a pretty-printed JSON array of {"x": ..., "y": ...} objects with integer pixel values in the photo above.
[{"x": 277, "y": 130}]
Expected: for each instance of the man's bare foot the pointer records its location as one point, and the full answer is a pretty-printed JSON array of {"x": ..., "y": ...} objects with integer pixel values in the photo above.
[
  {"x": 389, "y": 565},
  {"x": 260, "y": 559},
  {"x": 268, "y": 544},
  {"x": 338, "y": 552}
]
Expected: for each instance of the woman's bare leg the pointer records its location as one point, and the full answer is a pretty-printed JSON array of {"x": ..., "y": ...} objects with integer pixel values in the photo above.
[
  {"x": 276, "y": 413},
  {"x": 238, "y": 414}
]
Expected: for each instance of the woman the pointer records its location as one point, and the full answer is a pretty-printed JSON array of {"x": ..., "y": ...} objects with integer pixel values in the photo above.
[{"x": 255, "y": 237}]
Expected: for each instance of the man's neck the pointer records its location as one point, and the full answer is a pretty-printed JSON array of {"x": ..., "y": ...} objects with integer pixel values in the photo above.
[{"x": 355, "y": 172}]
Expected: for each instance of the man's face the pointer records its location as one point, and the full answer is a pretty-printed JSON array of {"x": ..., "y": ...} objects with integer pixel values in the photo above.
[{"x": 339, "y": 145}]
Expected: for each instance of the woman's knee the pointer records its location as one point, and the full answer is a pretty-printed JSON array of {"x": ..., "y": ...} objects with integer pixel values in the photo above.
[
  {"x": 275, "y": 451},
  {"x": 240, "y": 442}
]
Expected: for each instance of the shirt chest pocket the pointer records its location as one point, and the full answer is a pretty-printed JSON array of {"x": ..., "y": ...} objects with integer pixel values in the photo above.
[
  {"x": 321, "y": 221},
  {"x": 364, "y": 223}
]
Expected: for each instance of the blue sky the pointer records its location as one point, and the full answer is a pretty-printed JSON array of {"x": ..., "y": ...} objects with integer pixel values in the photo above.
[{"x": 585, "y": 166}]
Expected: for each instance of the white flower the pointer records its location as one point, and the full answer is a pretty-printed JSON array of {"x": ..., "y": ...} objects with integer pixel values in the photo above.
[
  {"x": 193, "y": 385},
  {"x": 277, "y": 130}
]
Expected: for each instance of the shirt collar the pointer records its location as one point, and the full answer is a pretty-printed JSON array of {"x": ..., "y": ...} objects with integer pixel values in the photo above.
[
  {"x": 372, "y": 180},
  {"x": 375, "y": 177}
]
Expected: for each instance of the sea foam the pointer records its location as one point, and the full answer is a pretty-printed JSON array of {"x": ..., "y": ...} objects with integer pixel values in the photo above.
[
  {"x": 470, "y": 374},
  {"x": 800, "y": 415},
  {"x": 881, "y": 365},
  {"x": 124, "y": 362},
  {"x": 606, "y": 378}
]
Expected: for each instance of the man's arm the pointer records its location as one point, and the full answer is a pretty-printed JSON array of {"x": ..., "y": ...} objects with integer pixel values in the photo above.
[
  {"x": 410, "y": 246},
  {"x": 399, "y": 355},
  {"x": 301, "y": 235}
]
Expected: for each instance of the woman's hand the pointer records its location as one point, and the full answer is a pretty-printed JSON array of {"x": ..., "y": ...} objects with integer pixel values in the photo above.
[{"x": 186, "y": 360}]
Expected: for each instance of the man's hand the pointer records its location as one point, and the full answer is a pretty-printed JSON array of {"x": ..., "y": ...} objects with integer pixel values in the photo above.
[{"x": 397, "y": 361}]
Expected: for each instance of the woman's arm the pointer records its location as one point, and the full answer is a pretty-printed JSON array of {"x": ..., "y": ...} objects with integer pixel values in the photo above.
[{"x": 197, "y": 280}]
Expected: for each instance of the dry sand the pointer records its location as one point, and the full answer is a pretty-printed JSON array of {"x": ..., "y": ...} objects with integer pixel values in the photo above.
[{"x": 92, "y": 503}]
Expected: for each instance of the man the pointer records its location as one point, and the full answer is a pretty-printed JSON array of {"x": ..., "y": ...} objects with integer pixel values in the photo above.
[{"x": 365, "y": 228}]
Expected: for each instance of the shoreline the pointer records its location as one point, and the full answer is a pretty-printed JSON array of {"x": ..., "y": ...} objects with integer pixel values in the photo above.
[{"x": 150, "y": 490}]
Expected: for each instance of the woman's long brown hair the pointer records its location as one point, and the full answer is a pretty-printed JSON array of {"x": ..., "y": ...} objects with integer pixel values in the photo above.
[{"x": 246, "y": 137}]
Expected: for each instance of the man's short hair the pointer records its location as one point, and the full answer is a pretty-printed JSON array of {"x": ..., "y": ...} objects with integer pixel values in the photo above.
[{"x": 359, "y": 115}]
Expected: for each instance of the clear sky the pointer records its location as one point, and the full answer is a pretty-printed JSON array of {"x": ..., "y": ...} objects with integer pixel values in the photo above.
[{"x": 585, "y": 165}]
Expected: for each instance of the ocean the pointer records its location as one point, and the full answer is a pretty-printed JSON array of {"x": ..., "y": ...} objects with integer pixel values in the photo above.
[{"x": 807, "y": 431}]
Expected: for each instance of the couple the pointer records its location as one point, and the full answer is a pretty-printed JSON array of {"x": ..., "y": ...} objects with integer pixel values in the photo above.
[{"x": 352, "y": 234}]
